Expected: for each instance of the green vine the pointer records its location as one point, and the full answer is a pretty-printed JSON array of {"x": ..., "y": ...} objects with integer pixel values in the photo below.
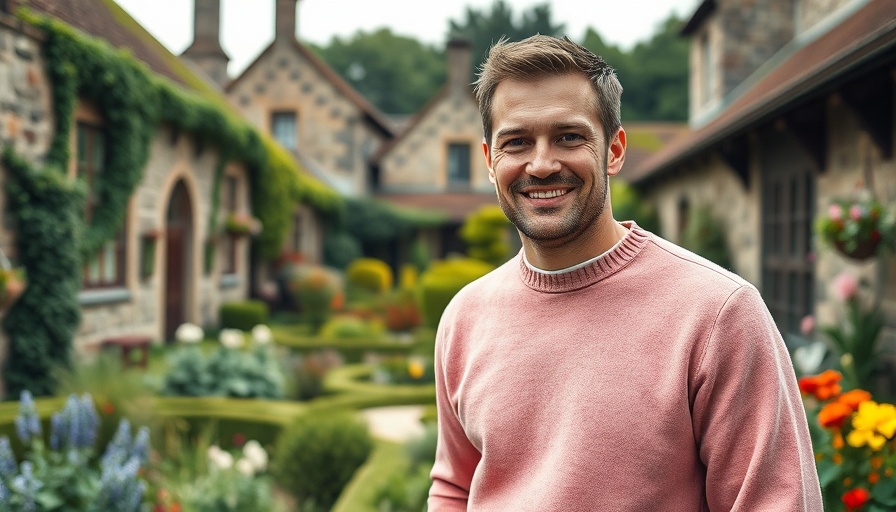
[
  {"x": 41, "y": 324},
  {"x": 53, "y": 238}
]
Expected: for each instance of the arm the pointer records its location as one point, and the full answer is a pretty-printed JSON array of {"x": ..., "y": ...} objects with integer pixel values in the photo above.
[
  {"x": 748, "y": 417},
  {"x": 456, "y": 457}
]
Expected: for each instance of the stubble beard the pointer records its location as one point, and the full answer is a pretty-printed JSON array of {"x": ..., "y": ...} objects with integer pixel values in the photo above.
[{"x": 541, "y": 226}]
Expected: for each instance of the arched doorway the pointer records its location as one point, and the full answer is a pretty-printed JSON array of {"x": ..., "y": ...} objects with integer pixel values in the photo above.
[{"x": 178, "y": 255}]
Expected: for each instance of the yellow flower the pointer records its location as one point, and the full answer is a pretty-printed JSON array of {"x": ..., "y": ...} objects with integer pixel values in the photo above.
[
  {"x": 416, "y": 369},
  {"x": 872, "y": 425}
]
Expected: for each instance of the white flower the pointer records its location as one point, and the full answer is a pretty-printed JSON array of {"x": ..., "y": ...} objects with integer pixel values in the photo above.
[
  {"x": 262, "y": 334},
  {"x": 232, "y": 338},
  {"x": 189, "y": 333},
  {"x": 808, "y": 358},
  {"x": 219, "y": 458},
  {"x": 245, "y": 467},
  {"x": 256, "y": 455}
]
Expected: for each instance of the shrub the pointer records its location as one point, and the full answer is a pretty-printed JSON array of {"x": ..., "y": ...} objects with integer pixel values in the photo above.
[
  {"x": 370, "y": 274},
  {"x": 443, "y": 280},
  {"x": 66, "y": 474},
  {"x": 403, "y": 370},
  {"x": 316, "y": 291},
  {"x": 351, "y": 327},
  {"x": 487, "y": 233},
  {"x": 705, "y": 235},
  {"x": 233, "y": 369},
  {"x": 243, "y": 315},
  {"x": 308, "y": 371},
  {"x": 408, "y": 492},
  {"x": 317, "y": 455},
  {"x": 401, "y": 311}
]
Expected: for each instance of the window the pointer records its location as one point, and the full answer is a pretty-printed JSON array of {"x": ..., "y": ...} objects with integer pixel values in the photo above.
[
  {"x": 458, "y": 165},
  {"x": 106, "y": 268},
  {"x": 706, "y": 69},
  {"x": 283, "y": 128},
  {"x": 230, "y": 208},
  {"x": 787, "y": 266},
  {"x": 296, "y": 235}
]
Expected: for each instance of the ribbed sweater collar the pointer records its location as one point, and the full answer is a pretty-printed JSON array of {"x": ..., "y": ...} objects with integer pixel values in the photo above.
[{"x": 604, "y": 266}]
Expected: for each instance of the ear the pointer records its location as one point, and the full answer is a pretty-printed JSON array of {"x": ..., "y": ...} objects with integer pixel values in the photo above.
[
  {"x": 488, "y": 162},
  {"x": 616, "y": 153}
]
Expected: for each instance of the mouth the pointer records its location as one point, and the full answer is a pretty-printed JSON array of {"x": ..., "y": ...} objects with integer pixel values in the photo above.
[{"x": 546, "y": 194}]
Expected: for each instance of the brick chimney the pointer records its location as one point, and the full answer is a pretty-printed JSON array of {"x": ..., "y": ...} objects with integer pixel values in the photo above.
[
  {"x": 458, "y": 61},
  {"x": 285, "y": 20},
  {"x": 206, "y": 51}
]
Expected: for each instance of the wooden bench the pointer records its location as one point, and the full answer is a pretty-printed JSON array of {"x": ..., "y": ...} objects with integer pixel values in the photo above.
[{"x": 129, "y": 343}]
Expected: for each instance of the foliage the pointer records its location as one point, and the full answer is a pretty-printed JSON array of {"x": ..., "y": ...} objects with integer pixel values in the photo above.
[
  {"x": 244, "y": 314},
  {"x": 340, "y": 249},
  {"x": 12, "y": 284},
  {"x": 345, "y": 327},
  {"x": 408, "y": 492},
  {"x": 65, "y": 474},
  {"x": 373, "y": 220},
  {"x": 441, "y": 282},
  {"x": 46, "y": 208},
  {"x": 629, "y": 205},
  {"x": 403, "y": 370},
  {"x": 484, "y": 27},
  {"x": 232, "y": 369},
  {"x": 705, "y": 235},
  {"x": 855, "y": 337},
  {"x": 858, "y": 226},
  {"x": 317, "y": 292},
  {"x": 317, "y": 455},
  {"x": 371, "y": 274},
  {"x": 486, "y": 232},
  {"x": 396, "y": 73},
  {"x": 306, "y": 374},
  {"x": 402, "y": 311},
  {"x": 853, "y": 437},
  {"x": 242, "y": 224}
]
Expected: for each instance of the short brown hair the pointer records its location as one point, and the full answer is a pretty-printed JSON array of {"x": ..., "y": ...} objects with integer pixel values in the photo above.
[{"x": 540, "y": 56}]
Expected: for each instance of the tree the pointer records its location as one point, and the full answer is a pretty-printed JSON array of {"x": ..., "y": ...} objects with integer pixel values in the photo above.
[
  {"x": 484, "y": 28},
  {"x": 397, "y": 74}
]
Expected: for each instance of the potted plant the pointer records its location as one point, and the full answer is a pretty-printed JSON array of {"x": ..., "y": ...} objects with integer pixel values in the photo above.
[
  {"x": 242, "y": 224},
  {"x": 858, "y": 228}
]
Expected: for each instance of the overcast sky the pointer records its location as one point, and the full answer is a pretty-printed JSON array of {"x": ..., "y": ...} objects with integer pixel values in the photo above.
[{"x": 247, "y": 26}]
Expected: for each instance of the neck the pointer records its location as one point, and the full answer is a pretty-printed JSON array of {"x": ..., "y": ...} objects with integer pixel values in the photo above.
[{"x": 597, "y": 242}]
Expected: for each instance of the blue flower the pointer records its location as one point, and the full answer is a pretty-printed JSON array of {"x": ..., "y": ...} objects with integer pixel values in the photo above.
[
  {"x": 27, "y": 422},
  {"x": 7, "y": 460}
]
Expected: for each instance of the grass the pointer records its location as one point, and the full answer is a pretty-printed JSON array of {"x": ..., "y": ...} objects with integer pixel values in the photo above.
[{"x": 388, "y": 459}]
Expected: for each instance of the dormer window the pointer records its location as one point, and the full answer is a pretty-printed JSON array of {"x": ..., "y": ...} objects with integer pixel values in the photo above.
[
  {"x": 458, "y": 165},
  {"x": 283, "y": 128}
]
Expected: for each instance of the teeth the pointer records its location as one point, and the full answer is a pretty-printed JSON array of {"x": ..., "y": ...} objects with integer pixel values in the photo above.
[{"x": 546, "y": 194}]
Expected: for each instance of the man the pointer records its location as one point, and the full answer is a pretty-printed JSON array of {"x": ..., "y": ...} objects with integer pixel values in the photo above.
[{"x": 603, "y": 368}]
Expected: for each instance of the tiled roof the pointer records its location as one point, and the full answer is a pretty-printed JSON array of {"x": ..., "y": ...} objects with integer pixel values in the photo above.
[
  {"x": 456, "y": 205},
  {"x": 866, "y": 35},
  {"x": 375, "y": 116},
  {"x": 106, "y": 20},
  {"x": 646, "y": 139}
]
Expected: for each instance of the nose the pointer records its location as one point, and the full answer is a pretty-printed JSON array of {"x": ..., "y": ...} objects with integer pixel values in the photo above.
[{"x": 543, "y": 162}]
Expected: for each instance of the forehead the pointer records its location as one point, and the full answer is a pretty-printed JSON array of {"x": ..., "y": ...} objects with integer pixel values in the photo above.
[{"x": 567, "y": 98}]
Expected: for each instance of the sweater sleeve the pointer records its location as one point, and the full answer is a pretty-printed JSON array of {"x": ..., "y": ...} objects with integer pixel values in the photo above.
[
  {"x": 748, "y": 416},
  {"x": 456, "y": 458}
]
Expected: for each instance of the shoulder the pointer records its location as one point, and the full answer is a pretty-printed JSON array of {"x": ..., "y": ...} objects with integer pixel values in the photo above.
[{"x": 690, "y": 269}]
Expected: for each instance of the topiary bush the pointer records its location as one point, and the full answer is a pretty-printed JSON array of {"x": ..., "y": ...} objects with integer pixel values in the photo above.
[
  {"x": 443, "y": 280},
  {"x": 244, "y": 314},
  {"x": 370, "y": 274},
  {"x": 316, "y": 292},
  {"x": 317, "y": 455},
  {"x": 487, "y": 233}
]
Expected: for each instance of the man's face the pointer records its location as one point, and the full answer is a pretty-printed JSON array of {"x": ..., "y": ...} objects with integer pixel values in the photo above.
[{"x": 548, "y": 158}]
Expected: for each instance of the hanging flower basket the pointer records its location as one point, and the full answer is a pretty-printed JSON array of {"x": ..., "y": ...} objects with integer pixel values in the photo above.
[
  {"x": 242, "y": 224},
  {"x": 858, "y": 228}
]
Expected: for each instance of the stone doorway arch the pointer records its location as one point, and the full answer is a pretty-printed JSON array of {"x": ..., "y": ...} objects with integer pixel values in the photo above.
[{"x": 178, "y": 256}]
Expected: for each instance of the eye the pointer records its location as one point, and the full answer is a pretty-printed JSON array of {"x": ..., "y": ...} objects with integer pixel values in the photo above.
[
  {"x": 570, "y": 137},
  {"x": 514, "y": 143}
]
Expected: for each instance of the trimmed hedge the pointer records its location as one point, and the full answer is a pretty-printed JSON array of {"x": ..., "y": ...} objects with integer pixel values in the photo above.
[{"x": 244, "y": 314}]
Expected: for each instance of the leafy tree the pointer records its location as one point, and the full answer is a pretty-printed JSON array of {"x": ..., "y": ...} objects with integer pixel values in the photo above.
[
  {"x": 395, "y": 73},
  {"x": 485, "y": 27}
]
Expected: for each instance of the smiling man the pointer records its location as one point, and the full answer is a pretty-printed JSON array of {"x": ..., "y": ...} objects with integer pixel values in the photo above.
[{"x": 603, "y": 368}]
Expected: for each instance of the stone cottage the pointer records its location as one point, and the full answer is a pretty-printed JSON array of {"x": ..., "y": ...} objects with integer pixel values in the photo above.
[{"x": 791, "y": 108}]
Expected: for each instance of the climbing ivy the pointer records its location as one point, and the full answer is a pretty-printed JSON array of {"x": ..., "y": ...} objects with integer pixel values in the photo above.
[{"x": 48, "y": 208}]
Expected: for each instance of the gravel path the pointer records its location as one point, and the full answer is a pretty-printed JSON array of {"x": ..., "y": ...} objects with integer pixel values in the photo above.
[{"x": 395, "y": 423}]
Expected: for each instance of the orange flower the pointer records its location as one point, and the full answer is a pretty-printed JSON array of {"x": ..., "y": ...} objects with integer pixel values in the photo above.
[
  {"x": 873, "y": 478},
  {"x": 855, "y": 498},
  {"x": 834, "y": 414},
  {"x": 837, "y": 458},
  {"x": 854, "y": 397},
  {"x": 877, "y": 461},
  {"x": 837, "y": 441},
  {"x": 107, "y": 408},
  {"x": 823, "y": 386}
]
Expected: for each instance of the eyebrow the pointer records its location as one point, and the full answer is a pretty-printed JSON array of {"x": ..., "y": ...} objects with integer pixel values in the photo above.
[{"x": 562, "y": 126}]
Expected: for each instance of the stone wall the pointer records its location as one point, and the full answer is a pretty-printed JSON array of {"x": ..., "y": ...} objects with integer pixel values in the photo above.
[{"x": 809, "y": 13}]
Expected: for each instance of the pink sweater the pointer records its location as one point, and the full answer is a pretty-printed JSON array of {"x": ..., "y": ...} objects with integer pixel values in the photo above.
[{"x": 648, "y": 381}]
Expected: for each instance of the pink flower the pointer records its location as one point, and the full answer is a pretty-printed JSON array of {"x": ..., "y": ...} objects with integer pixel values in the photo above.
[
  {"x": 845, "y": 286},
  {"x": 807, "y": 325},
  {"x": 835, "y": 212},
  {"x": 856, "y": 212}
]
